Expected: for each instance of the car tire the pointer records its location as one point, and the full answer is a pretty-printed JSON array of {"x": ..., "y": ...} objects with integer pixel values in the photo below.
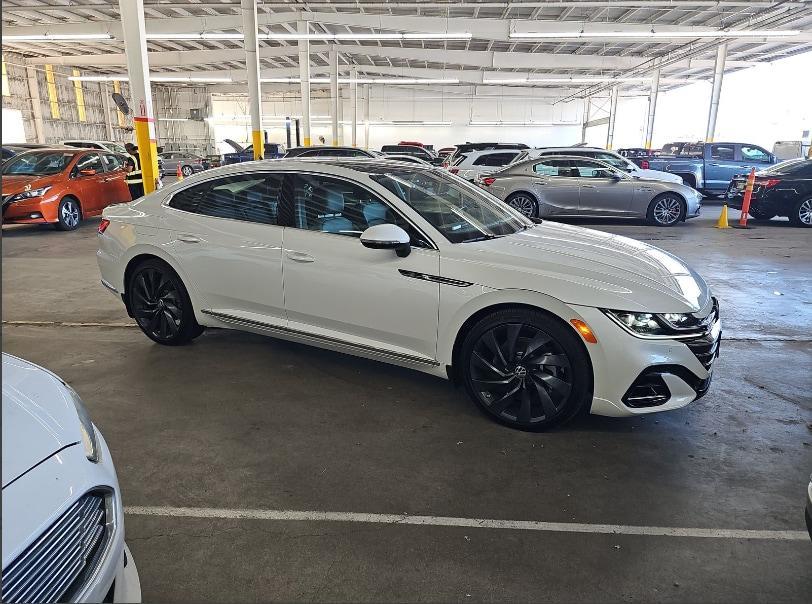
[
  {"x": 68, "y": 214},
  {"x": 524, "y": 203},
  {"x": 160, "y": 304},
  {"x": 667, "y": 209},
  {"x": 531, "y": 396},
  {"x": 801, "y": 215},
  {"x": 187, "y": 170},
  {"x": 757, "y": 214}
]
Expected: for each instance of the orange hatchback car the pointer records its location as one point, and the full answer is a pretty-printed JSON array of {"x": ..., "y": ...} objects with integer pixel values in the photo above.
[{"x": 61, "y": 186}]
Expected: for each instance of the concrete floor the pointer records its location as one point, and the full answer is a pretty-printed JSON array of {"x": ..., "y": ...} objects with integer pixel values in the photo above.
[{"x": 240, "y": 421}]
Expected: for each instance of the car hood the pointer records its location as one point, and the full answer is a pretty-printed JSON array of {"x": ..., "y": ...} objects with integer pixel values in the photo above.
[
  {"x": 236, "y": 146},
  {"x": 581, "y": 266},
  {"x": 17, "y": 183},
  {"x": 39, "y": 417},
  {"x": 657, "y": 175}
]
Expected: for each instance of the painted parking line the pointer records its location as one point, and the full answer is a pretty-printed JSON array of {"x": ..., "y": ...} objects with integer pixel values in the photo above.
[{"x": 481, "y": 523}]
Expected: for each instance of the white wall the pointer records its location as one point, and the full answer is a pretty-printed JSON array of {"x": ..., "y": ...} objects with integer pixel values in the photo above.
[{"x": 13, "y": 127}]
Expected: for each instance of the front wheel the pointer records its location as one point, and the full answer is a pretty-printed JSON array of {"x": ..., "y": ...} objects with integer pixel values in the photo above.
[
  {"x": 187, "y": 170},
  {"x": 68, "y": 214},
  {"x": 161, "y": 305},
  {"x": 666, "y": 210},
  {"x": 524, "y": 203},
  {"x": 802, "y": 213},
  {"x": 526, "y": 369}
]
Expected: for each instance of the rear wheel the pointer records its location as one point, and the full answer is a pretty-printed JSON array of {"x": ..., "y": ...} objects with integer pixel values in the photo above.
[
  {"x": 187, "y": 170},
  {"x": 802, "y": 213},
  {"x": 161, "y": 305},
  {"x": 666, "y": 210},
  {"x": 524, "y": 203},
  {"x": 69, "y": 214},
  {"x": 525, "y": 369}
]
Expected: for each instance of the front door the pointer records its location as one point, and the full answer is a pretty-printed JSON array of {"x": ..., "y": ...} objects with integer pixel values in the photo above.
[
  {"x": 340, "y": 290},
  {"x": 601, "y": 194},
  {"x": 721, "y": 166},
  {"x": 115, "y": 173},
  {"x": 90, "y": 183},
  {"x": 225, "y": 235}
]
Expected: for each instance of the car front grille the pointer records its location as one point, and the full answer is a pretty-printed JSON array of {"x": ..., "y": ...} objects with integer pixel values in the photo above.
[
  {"x": 706, "y": 349},
  {"x": 62, "y": 560}
]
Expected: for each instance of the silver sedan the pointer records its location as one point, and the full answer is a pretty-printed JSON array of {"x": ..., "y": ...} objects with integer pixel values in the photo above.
[{"x": 566, "y": 186}]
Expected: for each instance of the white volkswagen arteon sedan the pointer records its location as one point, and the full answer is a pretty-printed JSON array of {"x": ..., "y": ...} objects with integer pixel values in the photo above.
[
  {"x": 63, "y": 524},
  {"x": 414, "y": 266}
]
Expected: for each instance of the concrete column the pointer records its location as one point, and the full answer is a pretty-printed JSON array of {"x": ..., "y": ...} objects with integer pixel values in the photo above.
[
  {"x": 610, "y": 133},
  {"x": 249, "y": 30},
  {"x": 36, "y": 104},
  {"x": 340, "y": 117},
  {"x": 304, "y": 75},
  {"x": 354, "y": 103},
  {"x": 585, "y": 119},
  {"x": 652, "y": 106},
  {"x": 366, "y": 116},
  {"x": 135, "y": 46},
  {"x": 718, "y": 75},
  {"x": 108, "y": 124},
  {"x": 333, "y": 56}
]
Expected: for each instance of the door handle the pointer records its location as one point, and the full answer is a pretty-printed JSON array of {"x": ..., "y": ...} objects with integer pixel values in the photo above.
[
  {"x": 589, "y": 186},
  {"x": 299, "y": 256},
  {"x": 188, "y": 238}
]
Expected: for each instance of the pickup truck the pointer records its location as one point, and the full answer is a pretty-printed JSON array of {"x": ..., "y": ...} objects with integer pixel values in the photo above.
[
  {"x": 272, "y": 151},
  {"x": 709, "y": 167}
]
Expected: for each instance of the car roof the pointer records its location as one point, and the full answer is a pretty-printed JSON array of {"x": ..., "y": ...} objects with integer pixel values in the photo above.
[{"x": 562, "y": 156}]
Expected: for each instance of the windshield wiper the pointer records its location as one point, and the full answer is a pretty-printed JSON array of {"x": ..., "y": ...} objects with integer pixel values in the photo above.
[{"x": 483, "y": 237}]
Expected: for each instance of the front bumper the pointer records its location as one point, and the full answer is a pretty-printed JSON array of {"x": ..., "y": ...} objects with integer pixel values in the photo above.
[
  {"x": 31, "y": 211},
  {"x": 680, "y": 371}
]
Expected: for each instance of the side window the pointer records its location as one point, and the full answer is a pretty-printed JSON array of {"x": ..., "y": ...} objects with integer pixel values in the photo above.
[
  {"x": 755, "y": 154},
  {"x": 91, "y": 161},
  {"x": 248, "y": 197},
  {"x": 588, "y": 169},
  {"x": 494, "y": 159},
  {"x": 114, "y": 162},
  {"x": 336, "y": 206},
  {"x": 722, "y": 152},
  {"x": 555, "y": 167}
]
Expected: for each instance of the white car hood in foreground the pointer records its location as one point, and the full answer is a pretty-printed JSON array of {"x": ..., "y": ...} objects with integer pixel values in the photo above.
[
  {"x": 39, "y": 417},
  {"x": 581, "y": 266}
]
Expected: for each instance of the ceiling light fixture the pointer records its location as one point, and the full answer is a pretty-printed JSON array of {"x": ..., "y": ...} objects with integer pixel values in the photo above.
[
  {"x": 368, "y": 36},
  {"x": 56, "y": 37},
  {"x": 750, "y": 33},
  {"x": 363, "y": 81}
]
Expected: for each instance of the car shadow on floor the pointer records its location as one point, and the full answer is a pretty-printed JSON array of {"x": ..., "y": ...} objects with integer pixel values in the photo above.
[{"x": 38, "y": 230}]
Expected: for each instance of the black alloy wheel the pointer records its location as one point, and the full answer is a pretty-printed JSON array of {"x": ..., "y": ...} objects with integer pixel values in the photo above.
[
  {"x": 160, "y": 304},
  {"x": 526, "y": 370},
  {"x": 524, "y": 203}
]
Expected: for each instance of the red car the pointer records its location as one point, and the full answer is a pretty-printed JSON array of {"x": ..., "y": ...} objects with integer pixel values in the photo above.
[{"x": 62, "y": 186}]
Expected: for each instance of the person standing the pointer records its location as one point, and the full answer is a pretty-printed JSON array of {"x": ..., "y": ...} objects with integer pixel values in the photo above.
[{"x": 134, "y": 178}]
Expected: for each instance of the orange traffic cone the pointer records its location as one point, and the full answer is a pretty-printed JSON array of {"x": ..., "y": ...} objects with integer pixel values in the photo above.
[{"x": 180, "y": 173}]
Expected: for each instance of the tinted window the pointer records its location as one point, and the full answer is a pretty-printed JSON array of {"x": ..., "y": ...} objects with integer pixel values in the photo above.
[
  {"x": 494, "y": 159},
  {"x": 91, "y": 161},
  {"x": 336, "y": 206},
  {"x": 723, "y": 152},
  {"x": 248, "y": 197},
  {"x": 590, "y": 169},
  {"x": 755, "y": 154}
]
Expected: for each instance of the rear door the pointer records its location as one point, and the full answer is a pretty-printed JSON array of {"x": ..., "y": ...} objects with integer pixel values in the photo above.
[
  {"x": 115, "y": 173},
  {"x": 227, "y": 239},
  {"x": 556, "y": 187}
]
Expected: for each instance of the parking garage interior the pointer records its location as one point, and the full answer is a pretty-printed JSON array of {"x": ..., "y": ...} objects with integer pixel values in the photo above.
[{"x": 287, "y": 468}]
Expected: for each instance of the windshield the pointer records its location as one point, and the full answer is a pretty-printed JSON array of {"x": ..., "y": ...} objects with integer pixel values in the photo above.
[
  {"x": 461, "y": 212},
  {"x": 621, "y": 163},
  {"x": 38, "y": 163}
]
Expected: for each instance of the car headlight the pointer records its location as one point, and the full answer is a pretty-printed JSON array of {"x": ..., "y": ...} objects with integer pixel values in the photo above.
[
  {"x": 30, "y": 194},
  {"x": 659, "y": 325},
  {"x": 89, "y": 440}
]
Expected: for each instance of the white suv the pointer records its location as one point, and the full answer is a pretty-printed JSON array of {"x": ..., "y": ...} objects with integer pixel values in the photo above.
[
  {"x": 481, "y": 163},
  {"x": 610, "y": 157}
]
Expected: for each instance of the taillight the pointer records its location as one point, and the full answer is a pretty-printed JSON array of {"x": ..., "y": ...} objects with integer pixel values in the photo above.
[
  {"x": 454, "y": 170},
  {"x": 488, "y": 181},
  {"x": 767, "y": 182},
  {"x": 644, "y": 164},
  {"x": 103, "y": 225}
]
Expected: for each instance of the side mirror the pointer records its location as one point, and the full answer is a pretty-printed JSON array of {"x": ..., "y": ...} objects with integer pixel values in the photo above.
[
  {"x": 87, "y": 172},
  {"x": 387, "y": 237}
]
